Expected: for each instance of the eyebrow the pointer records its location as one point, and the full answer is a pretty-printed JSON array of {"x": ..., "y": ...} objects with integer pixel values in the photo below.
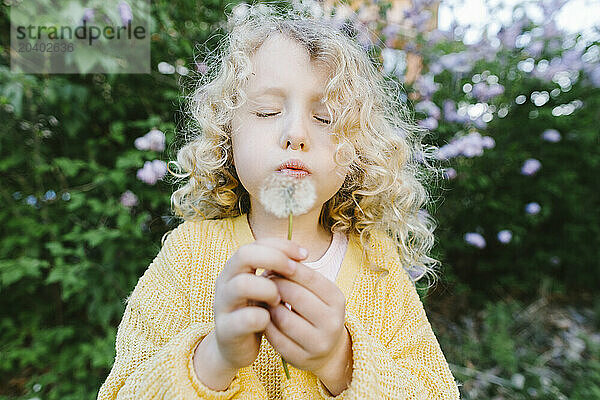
[{"x": 280, "y": 92}]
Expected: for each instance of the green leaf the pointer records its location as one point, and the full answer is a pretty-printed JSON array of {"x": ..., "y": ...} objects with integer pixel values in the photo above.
[
  {"x": 14, "y": 270},
  {"x": 69, "y": 167}
]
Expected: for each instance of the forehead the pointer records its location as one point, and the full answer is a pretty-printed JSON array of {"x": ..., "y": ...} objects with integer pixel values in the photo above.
[{"x": 281, "y": 66}]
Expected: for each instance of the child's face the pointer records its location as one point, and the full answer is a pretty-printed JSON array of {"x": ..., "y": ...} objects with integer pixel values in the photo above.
[{"x": 295, "y": 125}]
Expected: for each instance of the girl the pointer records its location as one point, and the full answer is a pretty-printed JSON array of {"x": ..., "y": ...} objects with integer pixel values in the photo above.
[{"x": 292, "y": 93}]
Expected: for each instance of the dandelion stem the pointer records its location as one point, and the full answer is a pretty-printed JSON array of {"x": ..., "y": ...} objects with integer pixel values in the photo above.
[{"x": 285, "y": 367}]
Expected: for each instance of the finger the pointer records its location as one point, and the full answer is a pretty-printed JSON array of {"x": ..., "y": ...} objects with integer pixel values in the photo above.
[
  {"x": 291, "y": 248},
  {"x": 272, "y": 254},
  {"x": 244, "y": 287},
  {"x": 294, "y": 326},
  {"x": 243, "y": 321},
  {"x": 318, "y": 284},
  {"x": 286, "y": 347},
  {"x": 302, "y": 301}
]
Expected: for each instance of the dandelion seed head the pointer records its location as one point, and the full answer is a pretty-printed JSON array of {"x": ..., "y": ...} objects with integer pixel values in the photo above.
[{"x": 282, "y": 195}]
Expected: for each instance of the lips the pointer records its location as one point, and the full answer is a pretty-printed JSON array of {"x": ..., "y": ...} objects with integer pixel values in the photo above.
[{"x": 294, "y": 165}]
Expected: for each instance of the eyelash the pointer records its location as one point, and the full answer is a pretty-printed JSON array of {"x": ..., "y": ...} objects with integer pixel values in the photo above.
[{"x": 264, "y": 115}]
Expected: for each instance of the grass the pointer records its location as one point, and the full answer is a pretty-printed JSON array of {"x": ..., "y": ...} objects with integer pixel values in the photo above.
[{"x": 546, "y": 349}]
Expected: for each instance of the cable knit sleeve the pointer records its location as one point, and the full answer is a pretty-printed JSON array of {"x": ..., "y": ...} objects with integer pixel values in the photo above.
[
  {"x": 405, "y": 361},
  {"x": 155, "y": 340}
]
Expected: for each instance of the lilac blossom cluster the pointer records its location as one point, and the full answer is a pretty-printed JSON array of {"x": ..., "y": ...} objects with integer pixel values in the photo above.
[
  {"x": 463, "y": 62},
  {"x": 451, "y": 115},
  {"x": 551, "y": 135},
  {"x": 433, "y": 114},
  {"x": 450, "y": 173},
  {"x": 125, "y": 13},
  {"x": 418, "y": 16},
  {"x": 475, "y": 239},
  {"x": 482, "y": 91},
  {"x": 533, "y": 208},
  {"x": 470, "y": 145},
  {"x": 152, "y": 171},
  {"x": 153, "y": 140},
  {"x": 129, "y": 199},
  {"x": 530, "y": 166},
  {"x": 504, "y": 236},
  {"x": 426, "y": 86}
]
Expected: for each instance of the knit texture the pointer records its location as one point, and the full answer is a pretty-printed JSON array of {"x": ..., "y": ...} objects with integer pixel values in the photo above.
[{"x": 395, "y": 352}]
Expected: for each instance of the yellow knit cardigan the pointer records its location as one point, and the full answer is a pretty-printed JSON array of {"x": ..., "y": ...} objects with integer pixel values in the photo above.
[{"x": 395, "y": 352}]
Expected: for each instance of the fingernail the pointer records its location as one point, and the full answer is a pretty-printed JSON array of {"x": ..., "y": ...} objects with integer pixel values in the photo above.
[
  {"x": 292, "y": 265},
  {"x": 303, "y": 252}
]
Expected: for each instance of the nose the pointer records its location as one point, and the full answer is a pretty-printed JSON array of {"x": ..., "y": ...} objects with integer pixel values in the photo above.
[{"x": 295, "y": 134}]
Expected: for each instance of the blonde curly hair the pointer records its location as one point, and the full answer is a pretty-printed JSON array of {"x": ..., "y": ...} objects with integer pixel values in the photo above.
[{"x": 374, "y": 132}]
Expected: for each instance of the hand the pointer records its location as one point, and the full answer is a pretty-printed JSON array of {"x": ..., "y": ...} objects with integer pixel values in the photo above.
[
  {"x": 239, "y": 322},
  {"x": 312, "y": 335}
]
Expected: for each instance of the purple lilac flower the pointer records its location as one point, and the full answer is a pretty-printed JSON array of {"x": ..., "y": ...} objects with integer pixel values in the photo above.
[
  {"x": 483, "y": 50},
  {"x": 479, "y": 122},
  {"x": 475, "y": 239},
  {"x": 125, "y": 12},
  {"x": 457, "y": 62},
  {"x": 426, "y": 85},
  {"x": 450, "y": 113},
  {"x": 554, "y": 260},
  {"x": 436, "y": 36},
  {"x": 418, "y": 18},
  {"x": 470, "y": 145},
  {"x": 88, "y": 15},
  {"x": 551, "y": 135},
  {"x": 435, "y": 68},
  {"x": 488, "y": 142},
  {"x": 421, "y": 4},
  {"x": 550, "y": 29},
  {"x": 430, "y": 108},
  {"x": 390, "y": 31},
  {"x": 152, "y": 171},
  {"x": 484, "y": 92},
  {"x": 533, "y": 208},
  {"x": 570, "y": 60},
  {"x": 423, "y": 215},
  {"x": 129, "y": 199},
  {"x": 504, "y": 236},
  {"x": 508, "y": 34},
  {"x": 429, "y": 123},
  {"x": 551, "y": 7},
  {"x": 153, "y": 140},
  {"x": 547, "y": 74},
  {"x": 530, "y": 166},
  {"x": 594, "y": 76},
  {"x": 450, "y": 173},
  {"x": 535, "y": 48}
]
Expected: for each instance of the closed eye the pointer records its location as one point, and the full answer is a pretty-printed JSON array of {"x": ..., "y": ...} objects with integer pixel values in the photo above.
[{"x": 265, "y": 115}]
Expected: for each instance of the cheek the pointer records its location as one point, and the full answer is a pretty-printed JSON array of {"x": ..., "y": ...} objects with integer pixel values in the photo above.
[{"x": 247, "y": 157}]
